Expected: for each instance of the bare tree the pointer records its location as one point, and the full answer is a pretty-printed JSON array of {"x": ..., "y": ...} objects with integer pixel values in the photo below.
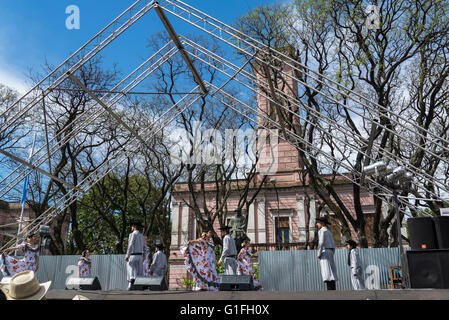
[{"x": 332, "y": 39}]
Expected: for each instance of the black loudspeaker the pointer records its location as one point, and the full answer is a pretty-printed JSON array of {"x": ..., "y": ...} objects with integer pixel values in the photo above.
[
  {"x": 442, "y": 231},
  {"x": 150, "y": 283},
  {"x": 428, "y": 269},
  {"x": 422, "y": 233},
  {"x": 236, "y": 283},
  {"x": 83, "y": 284}
]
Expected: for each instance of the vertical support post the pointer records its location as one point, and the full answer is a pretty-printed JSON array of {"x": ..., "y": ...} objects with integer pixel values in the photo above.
[
  {"x": 404, "y": 264},
  {"x": 302, "y": 229},
  {"x": 261, "y": 225}
]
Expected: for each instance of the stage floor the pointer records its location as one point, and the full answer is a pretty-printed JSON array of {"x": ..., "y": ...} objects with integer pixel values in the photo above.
[{"x": 414, "y": 294}]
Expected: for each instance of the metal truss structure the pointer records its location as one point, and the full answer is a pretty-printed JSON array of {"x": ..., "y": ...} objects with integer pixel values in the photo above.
[{"x": 251, "y": 50}]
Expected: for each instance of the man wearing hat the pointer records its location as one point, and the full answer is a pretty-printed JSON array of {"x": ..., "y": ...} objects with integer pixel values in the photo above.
[
  {"x": 358, "y": 282},
  {"x": 25, "y": 286},
  {"x": 326, "y": 250},
  {"x": 158, "y": 267},
  {"x": 229, "y": 252},
  {"x": 134, "y": 254}
]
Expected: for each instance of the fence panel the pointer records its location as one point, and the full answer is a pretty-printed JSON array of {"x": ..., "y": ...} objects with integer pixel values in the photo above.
[{"x": 300, "y": 270}]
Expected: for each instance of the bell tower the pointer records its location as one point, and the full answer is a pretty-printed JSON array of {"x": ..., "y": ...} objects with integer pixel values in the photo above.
[{"x": 280, "y": 110}]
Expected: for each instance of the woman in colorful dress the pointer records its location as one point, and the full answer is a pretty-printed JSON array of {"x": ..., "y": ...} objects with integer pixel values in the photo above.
[
  {"x": 85, "y": 265},
  {"x": 30, "y": 249},
  {"x": 211, "y": 253},
  {"x": 244, "y": 266},
  {"x": 146, "y": 259},
  {"x": 200, "y": 262}
]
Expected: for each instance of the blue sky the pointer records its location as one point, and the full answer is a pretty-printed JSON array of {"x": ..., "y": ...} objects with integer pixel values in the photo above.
[{"x": 32, "y": 31}]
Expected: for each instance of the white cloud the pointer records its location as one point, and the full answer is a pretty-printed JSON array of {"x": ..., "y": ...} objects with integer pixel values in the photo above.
[{"x": 12, "y": 79}]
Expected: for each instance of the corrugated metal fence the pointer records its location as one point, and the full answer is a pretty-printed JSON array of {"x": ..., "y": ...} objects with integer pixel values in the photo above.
[
  {"x": 278, "y": 271},
  {"x": 110, "y": 270},
  {"x": 300, "y": 270}
]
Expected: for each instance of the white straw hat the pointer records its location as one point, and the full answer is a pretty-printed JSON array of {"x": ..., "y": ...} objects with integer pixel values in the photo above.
[{"x": 25, "y": 286}]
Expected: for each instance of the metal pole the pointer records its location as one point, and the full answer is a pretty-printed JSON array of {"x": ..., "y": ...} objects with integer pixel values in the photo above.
[
  {"x": 175, "y": 37},
  {"x": 31, "y": 166},
  {"x": 401, "y": 247},
  {"x": 19, "y": 229}
]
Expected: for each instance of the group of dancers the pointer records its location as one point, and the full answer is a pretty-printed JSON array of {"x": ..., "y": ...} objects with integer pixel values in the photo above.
[
  {"x": 137, "y": 258},
  {"x": 326, "y": 251},
  {"x": 200, "y": 259}
]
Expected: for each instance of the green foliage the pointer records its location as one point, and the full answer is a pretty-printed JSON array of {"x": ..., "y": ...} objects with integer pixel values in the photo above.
[
  {"x": 256, "y": 270},
  {"x": 107, "y": 209},
  {"x": 266, "y": 24},
  {"x": 427, "y": 212},
  {"x": 220, "y": 268},
  {"x": 188, "y": 283}
]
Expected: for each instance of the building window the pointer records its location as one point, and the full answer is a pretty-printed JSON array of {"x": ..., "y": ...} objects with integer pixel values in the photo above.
[{"x": 282, "y": 225}]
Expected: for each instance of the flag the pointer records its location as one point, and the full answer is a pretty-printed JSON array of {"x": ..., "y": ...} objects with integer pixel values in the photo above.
[{"x": 24, "y": 191}]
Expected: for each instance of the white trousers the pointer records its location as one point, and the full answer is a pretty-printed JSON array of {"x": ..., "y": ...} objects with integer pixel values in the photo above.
[
  {"x": 134, "y": 268},
  {"x": 230, "y": 266}
]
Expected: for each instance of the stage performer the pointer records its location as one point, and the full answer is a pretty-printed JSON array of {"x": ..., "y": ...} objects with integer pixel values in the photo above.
[
  {"x": 200, "y": 262},
  {"x": 357, "y": 279},
  {"x": 326, "y": 250},
  {"x": 210, "y": 253},
  {"x": 134, "y": 254},
  {"x": 146, "y": 259},
  {"x": 158, "y": 267},
  {"x": 229, "y": 253},
  {"x": 30, "y": 249},
  {"x": 244, "y": 266},
  {"x": 85, "y": 265}
]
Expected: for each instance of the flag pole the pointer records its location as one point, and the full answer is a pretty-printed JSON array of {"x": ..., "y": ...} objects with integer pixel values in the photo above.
[{"x": 23, "y": 201}]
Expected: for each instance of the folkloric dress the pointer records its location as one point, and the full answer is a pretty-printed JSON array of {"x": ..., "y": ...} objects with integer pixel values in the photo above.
[
  {"x": 200, "y": 263},
  {"x": 212, "y": 258},
  {"x": 11, "y": 266},
  {"x": 244, "y": 266},
  {"x": 84, "y": 266},
  {"x": 146, "y": 261}
]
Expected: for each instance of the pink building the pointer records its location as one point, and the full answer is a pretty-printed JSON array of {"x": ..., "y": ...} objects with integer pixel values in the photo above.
[
  {"x": 10, "y": 216},
  {"x": 285, "y": 207}
]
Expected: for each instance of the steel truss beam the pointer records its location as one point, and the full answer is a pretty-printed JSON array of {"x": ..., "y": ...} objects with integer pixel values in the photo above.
[
  {"x": 90, "y": 115},
  {"x": 100, "y": 41},
  {"x": 237, "y": 40},
  {"x": 295, "y": 140},
  {"x": 183, "y": 104},
  {"x": 33, "y": 167},
  {"x": 175, "y": 38},
  {"x": 227, "y": 69}
]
